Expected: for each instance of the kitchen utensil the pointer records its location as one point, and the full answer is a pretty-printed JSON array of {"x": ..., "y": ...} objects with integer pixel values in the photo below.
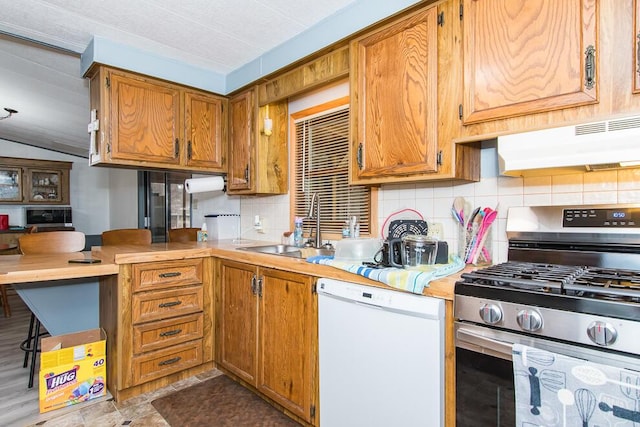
[
  {"x": 418, "y": 250},
  {"x": 630, "y": 387},
  {"x": 481, "y": 237},
  {"x": 458, "y": 206},
  {"x": 625, "y": 414},
  {"x": 586, "y": 404},
  {"x": 357, "y": 251},
  {"x": 566, "y": 398}
]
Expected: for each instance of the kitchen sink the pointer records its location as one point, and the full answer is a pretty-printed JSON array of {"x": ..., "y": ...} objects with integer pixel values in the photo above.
[{"x": 288, "y": 250}]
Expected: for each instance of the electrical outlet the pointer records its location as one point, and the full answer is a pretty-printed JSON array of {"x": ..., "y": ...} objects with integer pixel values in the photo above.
[
  {"x": 436, "y": 230},
  {"x": 258, "y": 224}
]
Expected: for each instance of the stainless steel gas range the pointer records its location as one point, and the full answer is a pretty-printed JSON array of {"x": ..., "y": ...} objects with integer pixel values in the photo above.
[{"x": 571, "y": 286}]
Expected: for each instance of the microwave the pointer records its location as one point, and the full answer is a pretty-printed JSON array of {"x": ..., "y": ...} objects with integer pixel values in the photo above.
[{"x": 48, "y": 217}]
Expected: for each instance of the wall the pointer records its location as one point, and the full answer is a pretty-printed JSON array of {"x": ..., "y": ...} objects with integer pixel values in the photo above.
[
  {"x": 434, "y": 200},
  {"x": 97, "y": 194}
]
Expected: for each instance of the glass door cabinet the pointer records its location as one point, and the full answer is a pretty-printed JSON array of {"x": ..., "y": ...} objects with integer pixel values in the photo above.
[{"x": 34, "y": 182}]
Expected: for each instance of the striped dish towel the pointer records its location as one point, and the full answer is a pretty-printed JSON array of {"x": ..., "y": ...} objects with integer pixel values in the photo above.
[{"x": 412, "y": 280}]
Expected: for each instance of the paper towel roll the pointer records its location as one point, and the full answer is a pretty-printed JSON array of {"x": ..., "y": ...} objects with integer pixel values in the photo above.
[{"x": 200, "y": 185}]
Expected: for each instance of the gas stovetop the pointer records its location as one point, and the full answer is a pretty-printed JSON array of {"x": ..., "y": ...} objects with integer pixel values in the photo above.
[
  {"x": 580, "y": 281},
  {"x": 573, "y": 274}
]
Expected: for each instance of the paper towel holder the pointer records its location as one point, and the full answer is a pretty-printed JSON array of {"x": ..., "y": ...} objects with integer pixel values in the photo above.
[{"x": 224, "y": 185}]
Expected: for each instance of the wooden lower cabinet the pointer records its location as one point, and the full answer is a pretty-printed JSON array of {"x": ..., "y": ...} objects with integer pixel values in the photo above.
[
  {"x": 159, "y": 322},
  {"x": 267, "y": 329}
]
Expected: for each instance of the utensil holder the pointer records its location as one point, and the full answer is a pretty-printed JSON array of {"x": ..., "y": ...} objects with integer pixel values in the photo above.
[{"x": 469, "y": 242}]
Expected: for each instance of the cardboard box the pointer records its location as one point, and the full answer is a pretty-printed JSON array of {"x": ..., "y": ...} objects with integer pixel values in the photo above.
[{"x": 73, "y": 369}]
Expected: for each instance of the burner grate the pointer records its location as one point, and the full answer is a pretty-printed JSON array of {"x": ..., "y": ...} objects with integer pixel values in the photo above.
[{"x": 586, "y": 282}]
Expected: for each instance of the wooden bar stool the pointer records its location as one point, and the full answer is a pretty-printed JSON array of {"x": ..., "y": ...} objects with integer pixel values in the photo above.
[
  {"x": 3, "y": 288},
  {"x": 52, "y": 242},
  {"x": 183, "y": 234},
  {"x": 126, "y": 236}
]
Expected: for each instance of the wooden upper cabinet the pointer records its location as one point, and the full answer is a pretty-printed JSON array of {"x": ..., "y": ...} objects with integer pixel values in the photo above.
[
  {"x": 527, "y": 56},
  {"x": 149, "y": 123},
  {"x": 204, "y": 131},
  {"x": 144, "y": 117},
  {"x": 241, "y": 141},
  {"x": 34, "y": 181},
  {"x": 258, "y": 161},
  {"x": 394, "y": 99}
]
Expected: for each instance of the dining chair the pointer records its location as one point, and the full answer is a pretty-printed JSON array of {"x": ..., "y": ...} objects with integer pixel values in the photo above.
[
  {"x": 51, "y": 242},
  {"x": 126, "y": 236},
  {"x": 6, "y": 309},
  {"x": 187, "y": 234}
]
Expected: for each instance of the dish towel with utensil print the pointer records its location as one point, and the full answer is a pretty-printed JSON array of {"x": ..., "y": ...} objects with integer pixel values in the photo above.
[
  {"x": 557, "y": 390},
  {"x": 412, "y": 280}
]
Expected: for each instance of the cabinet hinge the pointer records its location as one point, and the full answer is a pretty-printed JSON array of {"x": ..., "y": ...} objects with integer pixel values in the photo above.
[
  {"x": 314, "y": 288},
  {"x": 441, "y": 19},
  {"x": 461, "y": 10},
  {"x": 439, "y": 158},
  {"x": 312, "y": 411},
  {"x": 107, "y": 82},
  {"x": 460, "y": 111}
]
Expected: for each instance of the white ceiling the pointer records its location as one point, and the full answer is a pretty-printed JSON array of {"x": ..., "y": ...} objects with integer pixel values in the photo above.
[{"x": 45, "y": 86}]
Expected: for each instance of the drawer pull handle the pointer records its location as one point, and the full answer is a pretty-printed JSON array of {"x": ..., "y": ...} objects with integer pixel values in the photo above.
[
  {"x": 172, "y": 274},
  {"x": 170, "y": 333},
  {"x": 170, "y": 361},
  {"x": 169, "y": 304}
]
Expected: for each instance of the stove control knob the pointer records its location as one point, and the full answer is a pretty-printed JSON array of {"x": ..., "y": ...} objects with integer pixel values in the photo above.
[
  {"x": 490, "y": 313},
  {"x": 529, "y": 320},
  {"x": 602, "y": 333}
]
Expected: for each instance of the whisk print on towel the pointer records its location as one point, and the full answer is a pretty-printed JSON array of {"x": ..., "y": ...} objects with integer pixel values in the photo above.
[{"x": 557, "y": 390}]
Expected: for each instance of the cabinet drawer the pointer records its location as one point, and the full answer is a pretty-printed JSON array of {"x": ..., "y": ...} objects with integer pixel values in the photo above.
[
  {"x": 161, "y": 305},
  {"x": 160, "y": 363},
  {"x": 165, "y": 333},
  {"x": 155, "y": 275}
]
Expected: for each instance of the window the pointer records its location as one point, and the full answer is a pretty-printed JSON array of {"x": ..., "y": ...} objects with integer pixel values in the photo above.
[{"x": 321, "y": 156}]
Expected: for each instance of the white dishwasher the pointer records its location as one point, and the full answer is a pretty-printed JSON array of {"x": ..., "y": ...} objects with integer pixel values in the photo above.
[{"x": 381, "y": 357}]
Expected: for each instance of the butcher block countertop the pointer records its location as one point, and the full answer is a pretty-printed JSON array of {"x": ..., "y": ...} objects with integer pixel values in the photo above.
[{"x": 126, "y": 254}]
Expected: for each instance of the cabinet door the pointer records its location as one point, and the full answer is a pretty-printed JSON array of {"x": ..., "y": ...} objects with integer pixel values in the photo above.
[
  {"x": 394, "y": 99},
  {"x": 47, "y": 186},
  {"x": 241, "y": 141},
  {"x": 525, "y": 56},
  {"x": 287, "y": 329},
  {"x": 238, "y": 317},
  {"x": 144, "y": 120},
  {"x": 10, "y": 185},
  {"x": 204, "y": 131}
]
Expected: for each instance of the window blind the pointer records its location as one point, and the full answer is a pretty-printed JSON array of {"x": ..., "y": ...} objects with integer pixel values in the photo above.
[{"x": 322, "y": 166}]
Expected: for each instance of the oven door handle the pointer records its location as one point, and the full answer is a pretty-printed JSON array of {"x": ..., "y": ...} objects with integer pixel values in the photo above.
[{"x": 492, "y": 346}]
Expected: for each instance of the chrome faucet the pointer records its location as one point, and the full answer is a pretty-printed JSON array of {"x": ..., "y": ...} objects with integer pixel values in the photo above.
[{"x": 315, "y": 203}]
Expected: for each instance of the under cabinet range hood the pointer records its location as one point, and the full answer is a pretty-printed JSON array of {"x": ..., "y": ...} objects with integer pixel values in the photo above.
[{"x": 607, "y": 144}]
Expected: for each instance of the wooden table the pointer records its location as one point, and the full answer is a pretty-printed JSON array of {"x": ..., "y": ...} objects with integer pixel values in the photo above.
[
  {"x": 5, "y": 247},
  {"x": 63, "y": 296}
]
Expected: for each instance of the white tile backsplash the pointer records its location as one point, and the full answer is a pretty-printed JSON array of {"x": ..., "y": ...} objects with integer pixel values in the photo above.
[{"x": 434, "y": 200}]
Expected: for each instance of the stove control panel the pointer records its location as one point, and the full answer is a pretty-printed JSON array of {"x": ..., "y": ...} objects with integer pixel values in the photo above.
[
  {"x": 529, "y": 320},
  {"x": 602, "y": 333},
  {"x": 490, "y": 313},
  {"x": 609, "y": 217}
]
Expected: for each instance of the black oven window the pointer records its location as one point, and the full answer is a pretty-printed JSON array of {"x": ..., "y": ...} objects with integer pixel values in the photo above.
[{"x": 485, "y": 394}]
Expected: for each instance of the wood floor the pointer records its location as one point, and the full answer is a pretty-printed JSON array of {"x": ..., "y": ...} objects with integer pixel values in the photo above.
[{"x": 19, "y": 405}]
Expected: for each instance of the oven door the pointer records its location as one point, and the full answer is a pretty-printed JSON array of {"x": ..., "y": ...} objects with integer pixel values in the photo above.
[{"x": 485, "y": 393}]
